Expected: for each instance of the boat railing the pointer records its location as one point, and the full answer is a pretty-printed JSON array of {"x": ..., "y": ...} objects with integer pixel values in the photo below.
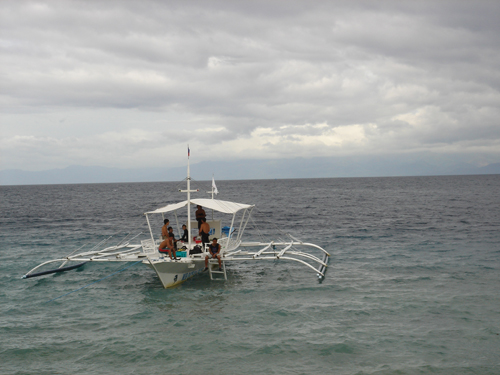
[
  {"x": 149, "y": 247},
  {"x": 228, "y": 244}
]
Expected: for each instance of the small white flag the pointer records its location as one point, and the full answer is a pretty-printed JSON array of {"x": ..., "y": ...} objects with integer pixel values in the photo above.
[{"x": 214, "y": 188}]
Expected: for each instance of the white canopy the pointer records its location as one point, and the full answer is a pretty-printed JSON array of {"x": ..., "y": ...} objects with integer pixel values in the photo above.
[{"x": 213, "y": 204}]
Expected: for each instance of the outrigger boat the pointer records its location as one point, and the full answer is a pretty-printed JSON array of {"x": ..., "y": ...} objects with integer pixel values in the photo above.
[{"x": 191, "y": 261}]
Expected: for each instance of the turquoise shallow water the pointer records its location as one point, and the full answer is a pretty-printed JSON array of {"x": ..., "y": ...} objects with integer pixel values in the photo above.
[{"x": 412, "y": 288}]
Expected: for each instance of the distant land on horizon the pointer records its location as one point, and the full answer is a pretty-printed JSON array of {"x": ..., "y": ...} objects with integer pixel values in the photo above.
[{"x": 246, "y": 170}]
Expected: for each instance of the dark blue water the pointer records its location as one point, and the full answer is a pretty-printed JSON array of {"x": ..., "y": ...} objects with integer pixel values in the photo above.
[{"x": 412, "y": 288}]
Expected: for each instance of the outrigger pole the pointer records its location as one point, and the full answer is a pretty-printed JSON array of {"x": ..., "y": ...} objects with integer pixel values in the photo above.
[{"x": 62, "y": 269}]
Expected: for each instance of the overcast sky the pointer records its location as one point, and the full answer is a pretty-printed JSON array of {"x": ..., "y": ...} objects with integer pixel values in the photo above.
[{"x": 131, "y": 83}]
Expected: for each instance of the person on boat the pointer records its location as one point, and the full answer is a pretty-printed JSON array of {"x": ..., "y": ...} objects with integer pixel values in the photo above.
[
  {"x": 200, "y": 215},
  {"x": 213, "y": 253},
  {"x": 185, "y": 234},
  {"x": 172, "y": 236},
  {"x": 167, "y": 246},
  {"x": 204, "y": 231},
  {"x": 164, "y": 229}
]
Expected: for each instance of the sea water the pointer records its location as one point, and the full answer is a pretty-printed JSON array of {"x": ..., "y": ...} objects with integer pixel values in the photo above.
[{"x": 412, "y": 287}]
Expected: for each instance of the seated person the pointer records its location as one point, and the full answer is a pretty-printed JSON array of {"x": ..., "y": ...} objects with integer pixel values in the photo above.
[
  {"x": 185, "y": 234},
  {"x": 214, "y": 252},
  {"x": 167, "y": 246},
  {"x": 171, "y": 234}
]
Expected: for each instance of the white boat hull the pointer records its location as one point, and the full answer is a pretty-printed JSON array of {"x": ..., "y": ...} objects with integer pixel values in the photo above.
[{"x": 175, "y": 273}]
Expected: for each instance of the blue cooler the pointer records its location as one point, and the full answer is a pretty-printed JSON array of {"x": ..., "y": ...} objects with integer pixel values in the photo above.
[{"x": 225, "y": 231}]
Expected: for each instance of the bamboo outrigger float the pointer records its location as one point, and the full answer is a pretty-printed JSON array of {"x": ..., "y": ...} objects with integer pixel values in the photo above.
[{"x": 233, "y": 248}]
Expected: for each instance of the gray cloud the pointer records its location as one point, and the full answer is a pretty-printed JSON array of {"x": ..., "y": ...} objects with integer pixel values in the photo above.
[{"x": 247, "y": 79}]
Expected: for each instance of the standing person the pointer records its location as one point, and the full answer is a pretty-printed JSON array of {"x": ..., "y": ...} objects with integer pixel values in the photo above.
[
  {"x": 214, "y": 252},
  {"x": 164, "y": 229},
  {"x": 200, "y": 215},
  {"x": 204, "y": 231},
  {"x": 185, "y": 234}
]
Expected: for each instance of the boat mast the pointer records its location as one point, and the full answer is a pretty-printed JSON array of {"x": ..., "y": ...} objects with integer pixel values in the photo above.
[
  {"x": 188, "y": 191},
  {"x": 189, "y": 202}
]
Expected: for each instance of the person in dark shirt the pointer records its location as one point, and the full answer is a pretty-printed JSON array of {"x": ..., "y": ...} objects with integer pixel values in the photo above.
[
  {"x": 213, "y": 253},
  {"x": 200, "y": 215},
  {"x": 185, "y": 234},
  {"x": 171, "y": 234},
  {"x": 204, "y": 232}
]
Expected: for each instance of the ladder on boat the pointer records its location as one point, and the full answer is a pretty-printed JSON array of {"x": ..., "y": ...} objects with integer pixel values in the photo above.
[{"x": 214, "y": 273}]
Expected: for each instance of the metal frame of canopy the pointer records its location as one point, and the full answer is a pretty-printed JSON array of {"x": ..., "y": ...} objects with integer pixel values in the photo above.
[{"x": 225, "y": 207}]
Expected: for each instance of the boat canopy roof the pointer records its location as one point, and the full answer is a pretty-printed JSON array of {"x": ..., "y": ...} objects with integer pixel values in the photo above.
[{"x": 213, "y": 204}]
